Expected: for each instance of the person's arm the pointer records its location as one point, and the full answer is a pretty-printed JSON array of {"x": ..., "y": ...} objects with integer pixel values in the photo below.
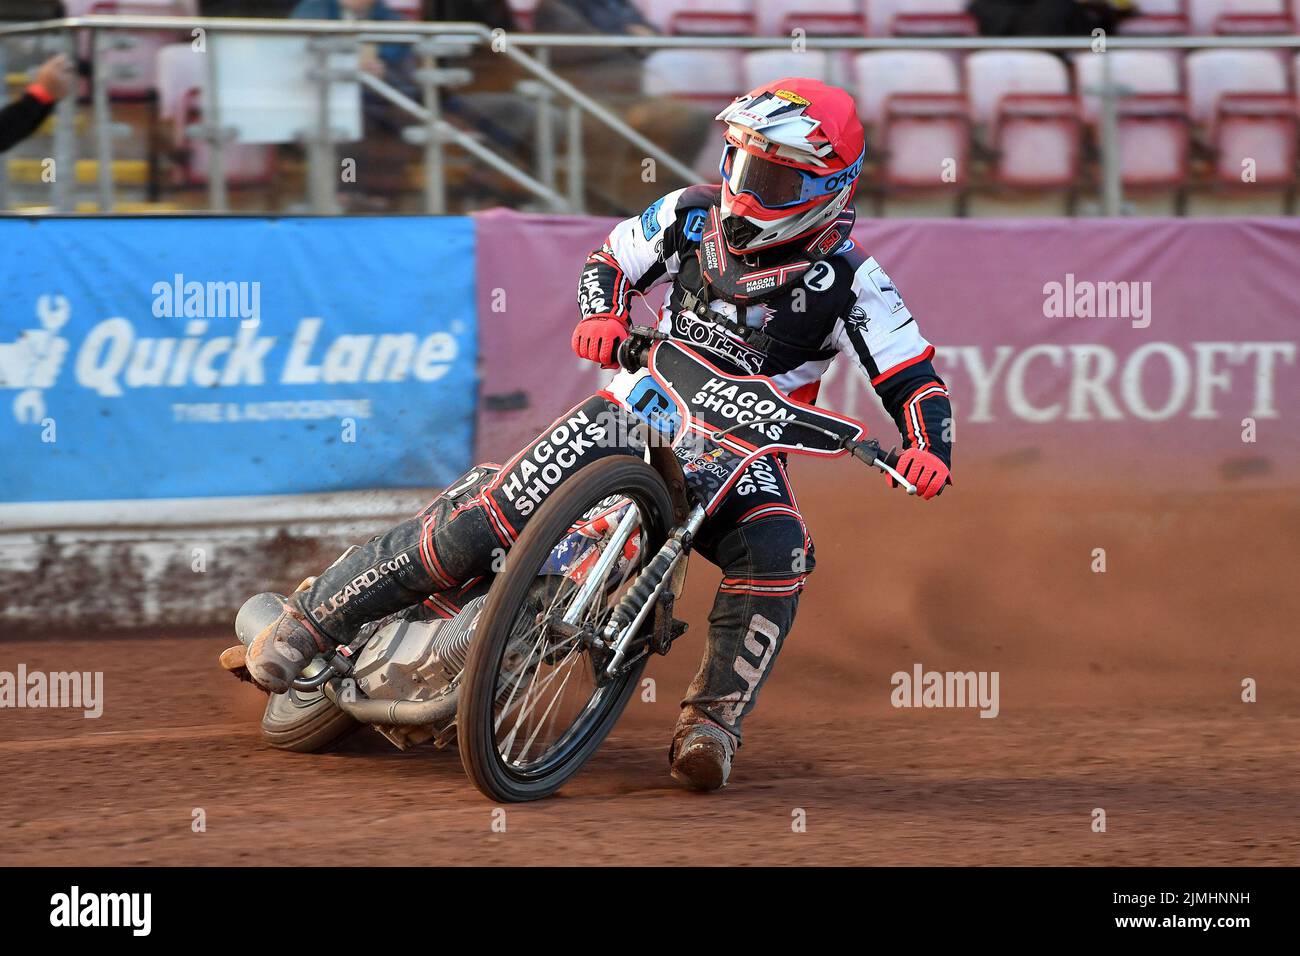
[
  {"x": 882, "y": 338},
  {"x": 313, "y": 10},
  {"x": 20, "y": 118},
  {"x": 638, "y": 252}
]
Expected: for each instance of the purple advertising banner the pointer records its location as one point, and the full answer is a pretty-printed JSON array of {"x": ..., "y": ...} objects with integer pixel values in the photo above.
[{"x": 1110, "y": 348}]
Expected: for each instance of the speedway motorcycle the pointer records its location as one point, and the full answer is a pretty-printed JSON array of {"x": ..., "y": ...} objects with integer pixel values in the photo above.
[{"x": 530, "y": 669}]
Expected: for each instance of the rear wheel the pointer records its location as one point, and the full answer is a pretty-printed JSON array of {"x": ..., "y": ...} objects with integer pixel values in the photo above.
[{"x": 534, "y": 705}]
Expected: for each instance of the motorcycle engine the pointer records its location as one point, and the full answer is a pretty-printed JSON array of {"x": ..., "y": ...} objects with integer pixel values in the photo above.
[{"x": 417, "y": 660}]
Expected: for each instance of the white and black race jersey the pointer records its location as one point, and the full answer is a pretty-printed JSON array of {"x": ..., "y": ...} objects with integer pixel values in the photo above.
[{"x": 844, "y": 303}]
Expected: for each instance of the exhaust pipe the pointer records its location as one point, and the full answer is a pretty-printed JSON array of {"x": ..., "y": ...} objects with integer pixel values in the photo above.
[{"x": 402, "y": 713}]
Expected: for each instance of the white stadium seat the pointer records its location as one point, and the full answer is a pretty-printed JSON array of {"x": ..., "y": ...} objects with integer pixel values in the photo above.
[
  {"x": 712, "y": 81},
  {"x": 1023, "y": 100},
  {"x": 912, "y": 101},
  {"x": 764, "y": 66},
  {"x": 1213, "y": 73},
  {"x": 1243, "y": 99},
  {"x": 882, "y": 73},
  {"x": 1135, "y": 71},
  {"x": 1154, "y": 132},
  {"x": 992, "y": 74}
]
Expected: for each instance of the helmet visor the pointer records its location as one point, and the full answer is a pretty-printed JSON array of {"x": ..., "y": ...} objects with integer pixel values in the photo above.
[{"x": 772, "y": 184}]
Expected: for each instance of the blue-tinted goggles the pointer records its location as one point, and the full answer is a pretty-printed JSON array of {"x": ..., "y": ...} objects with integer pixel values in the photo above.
[{"x": 777, "y": 186}]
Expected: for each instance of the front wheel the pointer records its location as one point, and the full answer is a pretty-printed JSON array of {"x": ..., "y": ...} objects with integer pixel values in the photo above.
[{"x": 535, "y": 706}]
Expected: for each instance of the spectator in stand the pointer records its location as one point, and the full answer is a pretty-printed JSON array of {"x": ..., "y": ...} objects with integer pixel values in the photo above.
[
  {"x": 268, "y": 9},
  {"x": 20, "y": 118},
  {"x": 380, "y": 60},
  {"x": 612, "y": 70},
  {"x": 1048, "y": 18},
  {"x": 495, "y": 13},
  {"x": 610, "y": 17}
]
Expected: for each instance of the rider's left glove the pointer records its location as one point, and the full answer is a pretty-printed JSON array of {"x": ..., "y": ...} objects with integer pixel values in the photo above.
[
  {"x": 924, "y": 469},
  {"x": 598, "y": 337}
]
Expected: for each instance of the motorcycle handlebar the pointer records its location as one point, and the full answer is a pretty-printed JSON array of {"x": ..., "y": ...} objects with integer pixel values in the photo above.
[
  {"x": 887, "y": 461},
  {"x": 870, "y": 451},
  {"x": 633, "y": 349},
  {"x": 632, "y": 353}
]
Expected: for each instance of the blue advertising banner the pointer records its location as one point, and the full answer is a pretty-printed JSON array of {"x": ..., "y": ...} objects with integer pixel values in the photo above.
[{"x": 208, "y": 357}]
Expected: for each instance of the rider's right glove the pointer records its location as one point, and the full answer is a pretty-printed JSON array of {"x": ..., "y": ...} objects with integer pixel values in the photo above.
[{"x": 598, "y": 337}]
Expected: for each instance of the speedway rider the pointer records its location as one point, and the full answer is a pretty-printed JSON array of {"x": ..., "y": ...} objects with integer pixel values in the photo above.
[{"x": 763, "y": 279}]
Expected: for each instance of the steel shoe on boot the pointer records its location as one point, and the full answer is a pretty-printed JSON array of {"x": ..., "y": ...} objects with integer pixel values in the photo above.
[
  {"x": 283, "y": 648},
  {"x": 235, "y": 660},
  {"x": 702, "y": 756}
]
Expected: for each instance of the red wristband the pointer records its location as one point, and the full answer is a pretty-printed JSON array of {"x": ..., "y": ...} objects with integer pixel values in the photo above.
[{"x": 41, "y": 93}]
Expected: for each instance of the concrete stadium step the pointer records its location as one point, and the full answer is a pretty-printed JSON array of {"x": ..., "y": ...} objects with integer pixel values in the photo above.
[
  {"x": 90, "y": 207},
  {"x": 126, "y": 172}
]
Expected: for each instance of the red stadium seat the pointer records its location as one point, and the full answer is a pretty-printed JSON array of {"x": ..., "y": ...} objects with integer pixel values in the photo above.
[
  {"x": 406, "y": 9},
  {"x": 920, "y": 18},
  {"x": 1158, "y": 18},
  {"x": 1258, "y": 129},
  {"x": 1038, "y": 139},
  {"x": 923, "y": 134},
  {"x": 1243, "y": 101},
  {"x": 1154, "y": 140},
  {"x": 1154, "y": 126},
  {"x": 1023, "y": 101},
  {"x": 700, "y": 17},
  {"x": 713, "y": 17},
  {"x": 912, "y": 103},
  {"x": 521, "y": 11},
  {"x": 1269, "y": 17},
  {"x": 814, "y": 17}
]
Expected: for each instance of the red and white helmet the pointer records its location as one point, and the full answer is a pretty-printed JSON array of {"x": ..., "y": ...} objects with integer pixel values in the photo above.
[{"x": 794, "y": 152}]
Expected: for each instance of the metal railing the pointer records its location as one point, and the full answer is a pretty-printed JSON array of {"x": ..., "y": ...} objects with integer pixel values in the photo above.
[{"x": 434, "y": 43}]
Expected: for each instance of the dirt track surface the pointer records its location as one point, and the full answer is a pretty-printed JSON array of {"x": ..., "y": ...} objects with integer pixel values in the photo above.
[{"x": 1119, "y": 691}]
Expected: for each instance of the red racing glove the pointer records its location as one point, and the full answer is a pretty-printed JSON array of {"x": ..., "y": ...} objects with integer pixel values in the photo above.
[
  {"x": 923, "y": 469},
  {"x": 597, "y": 339}
]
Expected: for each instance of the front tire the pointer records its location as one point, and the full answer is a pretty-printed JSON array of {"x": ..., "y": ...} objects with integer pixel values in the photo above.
[
  {"x": 519, "y": 598},
  {"x": 304, "y": 722}
]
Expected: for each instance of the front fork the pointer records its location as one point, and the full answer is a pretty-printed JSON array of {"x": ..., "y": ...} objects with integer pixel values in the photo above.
[{"x": 625, "y": 623}]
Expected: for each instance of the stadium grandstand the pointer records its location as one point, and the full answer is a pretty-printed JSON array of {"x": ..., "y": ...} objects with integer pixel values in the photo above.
[{"x": 1180, "y": 107}]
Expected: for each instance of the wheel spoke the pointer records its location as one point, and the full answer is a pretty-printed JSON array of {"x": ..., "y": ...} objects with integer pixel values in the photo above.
[{"x": 531, "y": 691}]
